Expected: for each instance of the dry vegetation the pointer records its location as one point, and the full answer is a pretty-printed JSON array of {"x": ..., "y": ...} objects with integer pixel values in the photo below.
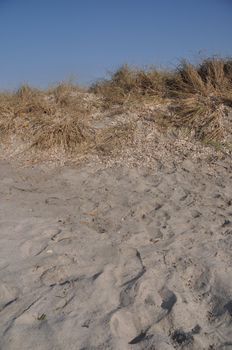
[
  {"x": 201, "y": 95},
  {"x": 196, "y": 97},
  {"x": 59, "y": 118},
  {"x": 128, "y": 85}
]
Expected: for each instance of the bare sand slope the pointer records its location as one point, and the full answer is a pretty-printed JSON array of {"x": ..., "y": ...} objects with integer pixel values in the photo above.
[{"x": 116, "y": 258}]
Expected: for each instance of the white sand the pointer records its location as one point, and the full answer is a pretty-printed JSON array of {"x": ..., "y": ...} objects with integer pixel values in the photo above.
[{"x": 116, "y": 258}]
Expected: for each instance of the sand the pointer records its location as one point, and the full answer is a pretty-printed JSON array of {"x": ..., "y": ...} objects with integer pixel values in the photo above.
[{"x": 116, "y": 258}]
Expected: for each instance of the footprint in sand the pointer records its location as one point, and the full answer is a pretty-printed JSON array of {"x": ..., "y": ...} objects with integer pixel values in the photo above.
[
  {"x": 33, "y": 247},
  {"x": 68, "y": 274},
  {"x": 8, "y": 295},
  {"x": 36, "y": 246},
  {"x": 130, "y": 266}
]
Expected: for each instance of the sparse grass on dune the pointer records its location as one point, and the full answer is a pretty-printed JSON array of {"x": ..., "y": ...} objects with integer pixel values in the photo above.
[
  {"x": 62, "y": 117},
  {"x": 111, "y": 139}
]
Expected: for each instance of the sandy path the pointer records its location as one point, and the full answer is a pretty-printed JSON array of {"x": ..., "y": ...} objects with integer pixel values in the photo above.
[{"x": 116, "y": 258}]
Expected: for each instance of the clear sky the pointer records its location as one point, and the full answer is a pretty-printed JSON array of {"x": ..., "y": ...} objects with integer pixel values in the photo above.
[{"x": 46, "y": 41}]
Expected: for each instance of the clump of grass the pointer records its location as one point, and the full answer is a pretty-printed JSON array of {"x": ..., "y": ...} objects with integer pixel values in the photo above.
[
  {"x": 228, "y": 68},
  {"x": 199, "y": 96},
  {"x": 111, "y": 139},
  {"x": 65, "y": 132},
  {"x": 56, "y": 118},
  {"x": 65, "y": 93},
  {"x": 6, "y": 112},
  {"x": 128, "y": 85},
  {"x": 25, "y": 93}
]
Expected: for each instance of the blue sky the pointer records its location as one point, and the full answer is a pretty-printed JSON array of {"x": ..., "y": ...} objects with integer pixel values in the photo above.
[{"x": 46, "y": 41}]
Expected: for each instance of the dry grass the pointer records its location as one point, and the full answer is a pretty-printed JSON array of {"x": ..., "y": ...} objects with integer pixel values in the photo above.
[
  {"x": 62, "y": 117},
  {"x": 59, "y": 118},
  {"x": 65, "y": 94},
  {"x": 110, "y": 140},
  {"x": 129, "y": 85},
  {"x": 200, "y": 94},
  {"x": 56, "y": 118},
  {"x": 61, "y": 132}
]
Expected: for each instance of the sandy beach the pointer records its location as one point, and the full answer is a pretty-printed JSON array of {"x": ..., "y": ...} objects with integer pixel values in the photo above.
[
  {"x": 117, "y": 257},
  {"x": 116, "y": 175}
]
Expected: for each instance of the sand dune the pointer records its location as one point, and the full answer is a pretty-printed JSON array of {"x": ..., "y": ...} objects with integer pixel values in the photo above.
[{"x": 116, "y": 258}]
